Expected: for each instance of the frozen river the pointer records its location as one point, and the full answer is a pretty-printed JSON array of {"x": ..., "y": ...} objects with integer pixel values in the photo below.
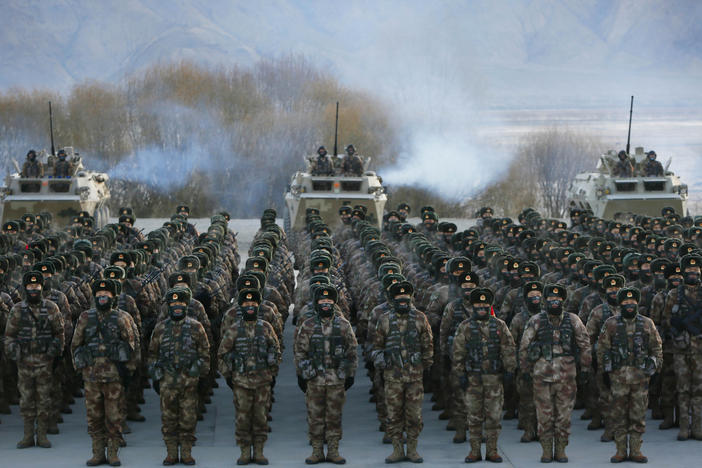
[{"x": 287, "y": 445}]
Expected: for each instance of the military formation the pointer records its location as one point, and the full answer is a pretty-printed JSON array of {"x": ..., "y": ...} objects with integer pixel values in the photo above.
[{"x": 528, "y": 320}]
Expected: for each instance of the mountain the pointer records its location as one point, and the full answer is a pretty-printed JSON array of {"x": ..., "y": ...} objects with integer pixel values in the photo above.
[{"x": 500, "y": 52}]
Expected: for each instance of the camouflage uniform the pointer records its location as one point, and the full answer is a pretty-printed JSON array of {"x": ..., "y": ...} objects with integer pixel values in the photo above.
[
  {"x": 681, "y": 320},
  {"x": 179, "y": 355},
  {"x": 248, "y": 356},
  {"x": 482, "y": 351},
  {"x": 403, "y": 348},
  {"x": 325, "y": 356},
  {"x": 34, "y": 339},
  {"x": 104, "y": 349},
  {"x": 548, "y": 353},
  {"x": 631, "y": 351}
]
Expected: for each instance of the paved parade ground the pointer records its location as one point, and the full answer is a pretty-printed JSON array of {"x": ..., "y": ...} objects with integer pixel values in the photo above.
[{"x": 287, "y": 446}]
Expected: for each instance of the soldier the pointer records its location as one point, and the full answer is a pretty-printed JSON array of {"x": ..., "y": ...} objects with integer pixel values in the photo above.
[
  {"x": 623, "y": 167},
  {"x": 34, "y": 339},
  {"x": 682, "y": 319},
  {"x": 62, "y": 168},
  {"x": 326, "y": 360},
  {"x": 403, "y": 349},
  {"x": 179, "y": 355},
  {"x": 652, "y": 168},
  {"x": 483, "y": 351},
  {"x": 547, "y": 353},
  {"x": 322, "y": 166},
  {"x": 352, "y": 165},
  {"x": 32, "y": 167},
  {"x": 630, "y": 352},
  {"x": 532, "y": 294},
  {"x": 248, "y": 357},
  {"x": 599, "y": 397},
  {"x": 104, "y": 349}
]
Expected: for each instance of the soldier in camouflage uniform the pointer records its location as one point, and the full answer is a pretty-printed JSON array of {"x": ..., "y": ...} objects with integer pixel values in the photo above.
[
  {"x": 483, "y": 351},
  {"x": 550, "y": 344},
  {"x": 532, "y": 294},
  {"x": 629, "y": 350},
  {"x": 454, "y": 314},
  {"x": 599, "y": 397},
  {"x": 326, "y": 361},
  {"x": 248, "y": 357},
  {"x": 179, "y": 355},
  {"x": 60, "y": 371},
  {"x": 682, "y": 320},
  {"x": 403, "y": 349},
  {"x": 34, "y": 340},
  {"x": 104, "y": 349}
]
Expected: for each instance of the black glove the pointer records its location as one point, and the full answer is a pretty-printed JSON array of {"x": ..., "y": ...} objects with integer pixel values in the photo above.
[
  {"x": 463, "y": 382},
  {"x": 677, "y": 322},
  {"x": 230, "y": 383},
  {"x": 508, "y": 379},
  {"x": 607, "y": 381},
  {"x": 302, "y": 383},
  {"x": 348, "y": 383},
  {"x": 124, "y": 374},
  {"x": 157, "y": 386}
]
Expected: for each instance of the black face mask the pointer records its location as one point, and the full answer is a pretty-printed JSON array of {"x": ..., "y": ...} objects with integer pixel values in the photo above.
[
  {"x": 554, "y": 306},
  {"x": 176, "y": 312},
  {"x": 33, "y": 296},
  {"x": 533, "y": 304},
  {"x": 691, "y": 279},
  {"x": 629, "y": 311},
  {"x": 646, "y": 276},
  {"x": 674, "y": 282},
  {"x": 325, "y": 310},
  {"x": 249, "y": 313},
  {"x": 612, "y": 298},
  {"x": 660, "y": 282},
  {"x": 103, "y": 303},
  {"x": 515, "y": 281},
  {"x": 402, "y": 307},
  {"x": 481, "y": 313},
  {"x": 466, "y": 292},
  {"x": 633, "y": 275}
]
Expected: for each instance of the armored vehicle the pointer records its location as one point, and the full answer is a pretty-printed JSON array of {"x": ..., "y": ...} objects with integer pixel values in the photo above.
[
  {"x": 329, "y": 193},
  {"x": 63, "y": 197},
  {"x": 609, "y": 196}
]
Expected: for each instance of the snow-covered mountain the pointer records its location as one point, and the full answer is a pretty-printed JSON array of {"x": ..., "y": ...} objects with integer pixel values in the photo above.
[{"x": 516, "y": 51}]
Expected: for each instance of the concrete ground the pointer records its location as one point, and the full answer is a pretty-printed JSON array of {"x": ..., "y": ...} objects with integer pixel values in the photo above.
[{"x": 288, "y": 447}]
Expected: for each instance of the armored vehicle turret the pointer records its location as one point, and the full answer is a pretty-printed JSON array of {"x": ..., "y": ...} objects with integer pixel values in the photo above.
[
  {"x": 328, "y": 193},
  {"x": 62, "y": 196},
  {"x": 609, "y": 195}
]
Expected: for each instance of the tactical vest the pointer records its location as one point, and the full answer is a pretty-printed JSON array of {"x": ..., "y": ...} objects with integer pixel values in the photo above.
[
  {"x": 459, "y": 315},
  {"x": 606, "y": 311},
  {"x": 474, "y": 349},
  {"x": 246, "y": 347},
  {"x": 620, "y": 353},
  {"x": 43, "y": 339},
  {"x": 689, "y": 311},
  {"x": 177, "y": 353},
  {"x": 394, "y": 340},
  {"x": 542, "y": 346},
  {"x": 107, "y": 335},
  {"x": 318, "y": 340}
]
